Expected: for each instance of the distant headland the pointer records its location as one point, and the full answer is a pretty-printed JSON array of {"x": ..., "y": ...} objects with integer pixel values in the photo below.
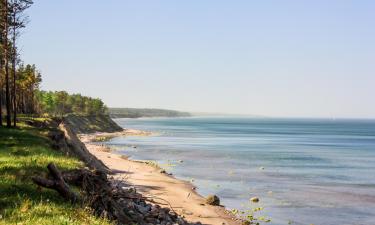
[{"x": 145, "y": 112}]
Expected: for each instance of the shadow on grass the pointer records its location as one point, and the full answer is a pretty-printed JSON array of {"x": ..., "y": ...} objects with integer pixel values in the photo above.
[{"x": 24, "y": 153}]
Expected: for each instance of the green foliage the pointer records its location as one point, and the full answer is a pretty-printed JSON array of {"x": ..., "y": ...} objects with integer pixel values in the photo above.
[
  {"x": 153, "y": 164},
  {"x": 102, "y": 138},
  {"x": 28, "y": 80},
  {"x": 251, "y": 216},
  {"x": 25, "y": 152},
  {"x": 60, "y": 103}
]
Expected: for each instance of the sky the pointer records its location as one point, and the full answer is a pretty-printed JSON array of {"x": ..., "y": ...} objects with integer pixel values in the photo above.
[{"x": 289, "y": 58}]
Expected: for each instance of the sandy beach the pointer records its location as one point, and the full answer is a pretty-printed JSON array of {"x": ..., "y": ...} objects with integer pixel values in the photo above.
[{"x": 162, "y": 188}]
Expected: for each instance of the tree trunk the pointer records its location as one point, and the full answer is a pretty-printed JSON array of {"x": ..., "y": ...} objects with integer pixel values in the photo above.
[
  {"x": 1, "y": 93},
  {"x": 97, "y": 189},
  {"x": 14, "y": 57},
  {"x": 6, "y": 63},
  {"x": 57, "y": 183},
  {"x": 14, "y": 94},
  {"x": 22, "y": 102},
  {"x": 7, "y": 94},
  {"x": 2, "y": 16},
  {"x": 1, "y": 102}
]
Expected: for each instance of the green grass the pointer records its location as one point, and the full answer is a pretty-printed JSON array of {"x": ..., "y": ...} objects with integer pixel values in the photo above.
[{"x": 25, "y": 152}]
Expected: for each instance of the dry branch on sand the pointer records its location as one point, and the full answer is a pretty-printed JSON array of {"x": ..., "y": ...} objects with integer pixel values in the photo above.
[{"x": 117, "y": 202}]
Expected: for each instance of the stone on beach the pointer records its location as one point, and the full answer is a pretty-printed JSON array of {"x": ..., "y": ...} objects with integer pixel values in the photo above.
[
  {"x": 213, "y": 200},
  {"x": 254, "y": 199}
]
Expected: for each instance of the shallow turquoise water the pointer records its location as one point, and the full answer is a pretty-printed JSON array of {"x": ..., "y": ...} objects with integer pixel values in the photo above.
[{"x": 305, "y": 171}]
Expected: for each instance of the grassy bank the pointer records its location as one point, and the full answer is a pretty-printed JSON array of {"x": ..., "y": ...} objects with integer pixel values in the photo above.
[{"x": 25, "y": 152}]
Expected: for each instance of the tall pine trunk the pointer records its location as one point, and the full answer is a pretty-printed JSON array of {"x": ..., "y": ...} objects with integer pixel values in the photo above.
[
  {"x": 14, "y": 57},
  {"x": 6, "y": 63},
  {"x": 14, "y": 93},
  {"x": 2, "y": 19},
  {"x": 1, "y": 102},
  {"x": 1, "y": 89}
]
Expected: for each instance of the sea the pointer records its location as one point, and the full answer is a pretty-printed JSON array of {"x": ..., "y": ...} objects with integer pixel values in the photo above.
[{"x": 304, "y": 171}]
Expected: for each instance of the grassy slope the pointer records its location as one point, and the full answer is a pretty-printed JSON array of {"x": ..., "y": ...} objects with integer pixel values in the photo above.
[{"x": 25, "y": 152}]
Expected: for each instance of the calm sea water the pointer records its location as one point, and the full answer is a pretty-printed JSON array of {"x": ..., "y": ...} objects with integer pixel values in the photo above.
[{"x": 304, "y": 171}]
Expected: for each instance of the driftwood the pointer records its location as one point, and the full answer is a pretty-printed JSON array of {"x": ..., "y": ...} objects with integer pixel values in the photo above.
[
  {"x": 57, "y": 183},
  {"x": 96, "y": 191},
  {"x": 113, "y": 200}
]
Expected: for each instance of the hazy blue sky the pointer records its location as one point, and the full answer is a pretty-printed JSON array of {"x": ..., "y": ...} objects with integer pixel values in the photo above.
[{"x": 273, "y": 58}]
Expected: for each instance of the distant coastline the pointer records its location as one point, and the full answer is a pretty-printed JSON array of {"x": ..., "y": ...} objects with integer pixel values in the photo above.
[
  {"x": 145, "y": 112},
  {"x": 153, "y": 112}
]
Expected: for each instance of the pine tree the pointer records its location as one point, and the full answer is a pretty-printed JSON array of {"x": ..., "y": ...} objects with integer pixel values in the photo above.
[{"x": 17, "y": 21}]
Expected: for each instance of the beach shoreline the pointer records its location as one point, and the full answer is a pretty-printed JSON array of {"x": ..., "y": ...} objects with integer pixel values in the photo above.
[{"x": 150, "y": 181}]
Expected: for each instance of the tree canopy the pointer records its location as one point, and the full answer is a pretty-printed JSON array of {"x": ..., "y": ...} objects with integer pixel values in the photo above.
[
  {"x": 20, "y": 84},
  {"x": 60, "y": 103}
]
